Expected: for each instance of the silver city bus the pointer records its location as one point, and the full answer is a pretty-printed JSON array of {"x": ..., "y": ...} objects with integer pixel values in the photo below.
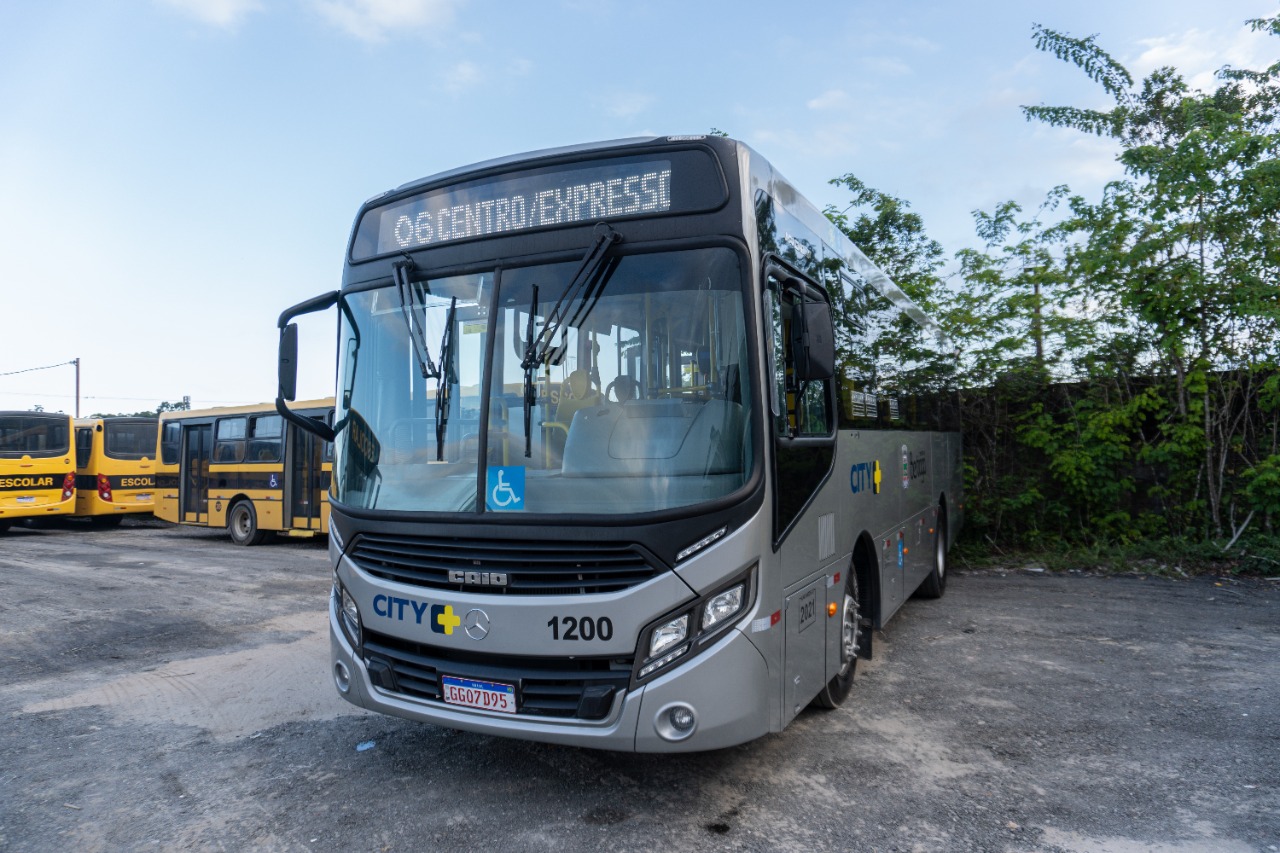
[{"x": 632, "y": 449}]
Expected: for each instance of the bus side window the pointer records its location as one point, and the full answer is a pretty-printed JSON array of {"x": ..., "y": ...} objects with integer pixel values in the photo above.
[
  {"x": 799, "y": 408},
  {"x": 170, "y": 443},
  {"x": 265, "y": 435},
  {"x": 84, "y": 445},
  {"x": 229, "y": 442}
]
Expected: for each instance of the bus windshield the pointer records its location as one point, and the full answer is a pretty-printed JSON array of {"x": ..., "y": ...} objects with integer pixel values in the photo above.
[
  {"x": 640, "y": 402},
  {"x": 33, "y": 434},
  {"x": 129, "y": 439}
]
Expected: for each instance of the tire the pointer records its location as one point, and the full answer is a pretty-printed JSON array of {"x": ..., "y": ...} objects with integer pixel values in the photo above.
[
  {"x": 835, "y": 691},
  {"x": 104, "y": 522},
  {"x": 936, "y": 583},
  {"x": 242, "y": 524},
  {"x": 5, "y": 524}
]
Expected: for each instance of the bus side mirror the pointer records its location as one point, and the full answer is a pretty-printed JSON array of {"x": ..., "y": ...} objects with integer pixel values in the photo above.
[
  {"x": 288, "y": 367},
  {"x": 813, "y": 344}
]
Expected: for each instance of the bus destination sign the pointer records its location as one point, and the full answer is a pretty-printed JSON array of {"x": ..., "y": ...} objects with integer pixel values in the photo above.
[{"x": 529, "y": 201}]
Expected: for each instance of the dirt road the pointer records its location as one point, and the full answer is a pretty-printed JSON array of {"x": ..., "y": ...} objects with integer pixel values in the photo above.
[{"x": 165, "y": 689}]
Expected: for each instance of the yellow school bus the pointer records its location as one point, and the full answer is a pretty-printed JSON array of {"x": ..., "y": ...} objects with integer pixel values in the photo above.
[
  {"x": 37, "y": 477},
  {"x": 246, "y": 469},
  {"x": 115, "y": 468}
]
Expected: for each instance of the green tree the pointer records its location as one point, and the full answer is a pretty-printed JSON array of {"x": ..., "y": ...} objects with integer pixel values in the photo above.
[{"x": 1186, "y": 249}]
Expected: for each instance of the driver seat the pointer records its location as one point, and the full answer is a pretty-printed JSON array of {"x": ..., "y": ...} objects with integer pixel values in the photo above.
[{"x": 575, "y": 394}]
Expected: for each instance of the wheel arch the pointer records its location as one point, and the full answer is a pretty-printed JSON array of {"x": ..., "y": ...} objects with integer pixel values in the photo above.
[{"x": 866, "y": 570}]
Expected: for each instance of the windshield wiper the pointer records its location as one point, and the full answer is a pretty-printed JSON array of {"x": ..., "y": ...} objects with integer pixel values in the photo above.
[
  {"x": 446, "y": 379},
  {"x": 417, "y": 329},
  {"x": 530, "y": 390},
  {"x": 585, "y": 288}
]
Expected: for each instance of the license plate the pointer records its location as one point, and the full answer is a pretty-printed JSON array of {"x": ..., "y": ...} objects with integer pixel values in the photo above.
[
  {"x": 26, "y": 500},
  {"x": 142, "y": 497},
  {"x": 486, "y": 695}
]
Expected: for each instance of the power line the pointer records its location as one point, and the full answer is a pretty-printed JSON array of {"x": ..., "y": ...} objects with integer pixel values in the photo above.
[
  {"x": 111, "y": 397},
  {"x": 31, "y": 369}
]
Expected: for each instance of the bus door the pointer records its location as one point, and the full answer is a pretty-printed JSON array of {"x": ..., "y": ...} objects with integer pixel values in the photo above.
[
  {"x": 197, "y": 451},
  {"x": 305, "y": 480}
]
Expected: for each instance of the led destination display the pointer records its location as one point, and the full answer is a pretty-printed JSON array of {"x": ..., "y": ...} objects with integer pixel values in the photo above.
[
  {"x": 558, "y": 198},
  {"x": 679, "y": 181}
]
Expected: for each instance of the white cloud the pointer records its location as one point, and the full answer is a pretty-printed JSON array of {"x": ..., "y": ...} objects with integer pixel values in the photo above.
[
  {"x": 627, "y": 104},
  {"x": 886, "y": 65},
  {"x": 376, "y": 20},
  {"x": 463, "y": 76},
  {"x": 1198, "y": 54},
  {"x": 217, "y": 13},
  {"x": 832, "y": 99}
]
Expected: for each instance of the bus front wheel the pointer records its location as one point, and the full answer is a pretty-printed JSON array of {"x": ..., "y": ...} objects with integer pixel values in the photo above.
[
  {"x": 242, "y": 524},
  {"x": 835, "y": 691}
]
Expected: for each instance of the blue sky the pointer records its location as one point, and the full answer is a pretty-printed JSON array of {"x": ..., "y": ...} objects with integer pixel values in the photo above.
[{"x": 174, "y": 173}]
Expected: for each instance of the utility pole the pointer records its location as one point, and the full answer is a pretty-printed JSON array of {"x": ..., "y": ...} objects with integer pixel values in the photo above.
[{"x": 76, "y": 362}]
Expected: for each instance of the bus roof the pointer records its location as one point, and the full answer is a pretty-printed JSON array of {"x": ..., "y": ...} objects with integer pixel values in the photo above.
[
  {"x": 514, "y": 159},
  {"x": 754, "y": 164},
  {"x": 256, "y": 408}
]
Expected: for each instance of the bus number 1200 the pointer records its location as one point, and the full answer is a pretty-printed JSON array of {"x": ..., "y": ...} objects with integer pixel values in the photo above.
[{"x": 586, "y": 628}]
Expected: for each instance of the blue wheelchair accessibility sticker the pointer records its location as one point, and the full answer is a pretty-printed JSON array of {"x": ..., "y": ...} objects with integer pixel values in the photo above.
[{"x": 504, "y": 488}]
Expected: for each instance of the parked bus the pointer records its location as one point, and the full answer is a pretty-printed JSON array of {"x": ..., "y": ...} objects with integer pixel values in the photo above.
[
  {"x": 633, "y": 449},
  {"x": 115, "y": 468},
  {"x": 246, "y": 469},
  {"x": 37, "y": 475}
]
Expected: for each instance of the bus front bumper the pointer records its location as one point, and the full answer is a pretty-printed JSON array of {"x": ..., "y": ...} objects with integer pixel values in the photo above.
[{"x": 726, "y": 688}]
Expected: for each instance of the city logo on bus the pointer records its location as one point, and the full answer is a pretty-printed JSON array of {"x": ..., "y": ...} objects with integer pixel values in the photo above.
[
  {"x": 440, "y": 617},
  {"x": 864, "y": 476}
]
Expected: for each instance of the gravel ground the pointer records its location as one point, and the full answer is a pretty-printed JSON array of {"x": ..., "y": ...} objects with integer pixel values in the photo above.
[{"x": 165, "y": 689}]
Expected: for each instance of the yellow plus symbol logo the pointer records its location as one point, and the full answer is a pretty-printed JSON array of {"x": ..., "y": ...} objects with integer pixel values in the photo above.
[
  {"x": 447, "y": 620},
  {"x": 876, "y": 476}
]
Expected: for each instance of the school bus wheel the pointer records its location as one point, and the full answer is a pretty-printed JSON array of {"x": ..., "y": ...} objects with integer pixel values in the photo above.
[{"x": 242, "y": 524}]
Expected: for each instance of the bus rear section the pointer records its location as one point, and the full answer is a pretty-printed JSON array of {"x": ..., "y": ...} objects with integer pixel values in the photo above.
[
  {"x": 37, "y": 474},
  {"x": 245, "y": 469},
  {"x": 115, "y": 468}
]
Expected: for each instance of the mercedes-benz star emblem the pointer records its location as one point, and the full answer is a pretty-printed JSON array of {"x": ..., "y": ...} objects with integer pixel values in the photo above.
[{"x": 476, "y": 624}]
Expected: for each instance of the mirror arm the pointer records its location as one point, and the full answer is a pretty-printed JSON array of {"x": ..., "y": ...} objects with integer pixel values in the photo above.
[{"x": 288, "y": 367}]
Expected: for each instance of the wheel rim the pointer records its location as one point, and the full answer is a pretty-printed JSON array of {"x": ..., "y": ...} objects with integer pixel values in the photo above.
[
  {"x": 940, "y": 556},
  {"x": 849, "y": 635},
  {"x": 240, "y": 522}
]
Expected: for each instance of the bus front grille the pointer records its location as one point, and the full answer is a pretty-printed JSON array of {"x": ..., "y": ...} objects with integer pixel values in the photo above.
[
  {"x": 502, "y": 567},
  {"x": 567, "y": 688}
]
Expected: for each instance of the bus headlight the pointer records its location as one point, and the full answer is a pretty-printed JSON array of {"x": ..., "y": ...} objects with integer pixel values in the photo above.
[
  {"x": 684, "y": 634},
  {"x": 668, "y": 635},
  {"x": 724, "y": 605},
  {"x": 348, "y": 614}
]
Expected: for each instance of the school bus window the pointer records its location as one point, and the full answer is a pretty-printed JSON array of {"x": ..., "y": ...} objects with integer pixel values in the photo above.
[
  {"x": 170, "y": 442},
  {"x": 266, "y": 433},
  {"x": 84, "y": 446},
  {"x": 229, "y": 442},
  {"x": 34, "y": 435},
  {"x": 129, "y": 439}
]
